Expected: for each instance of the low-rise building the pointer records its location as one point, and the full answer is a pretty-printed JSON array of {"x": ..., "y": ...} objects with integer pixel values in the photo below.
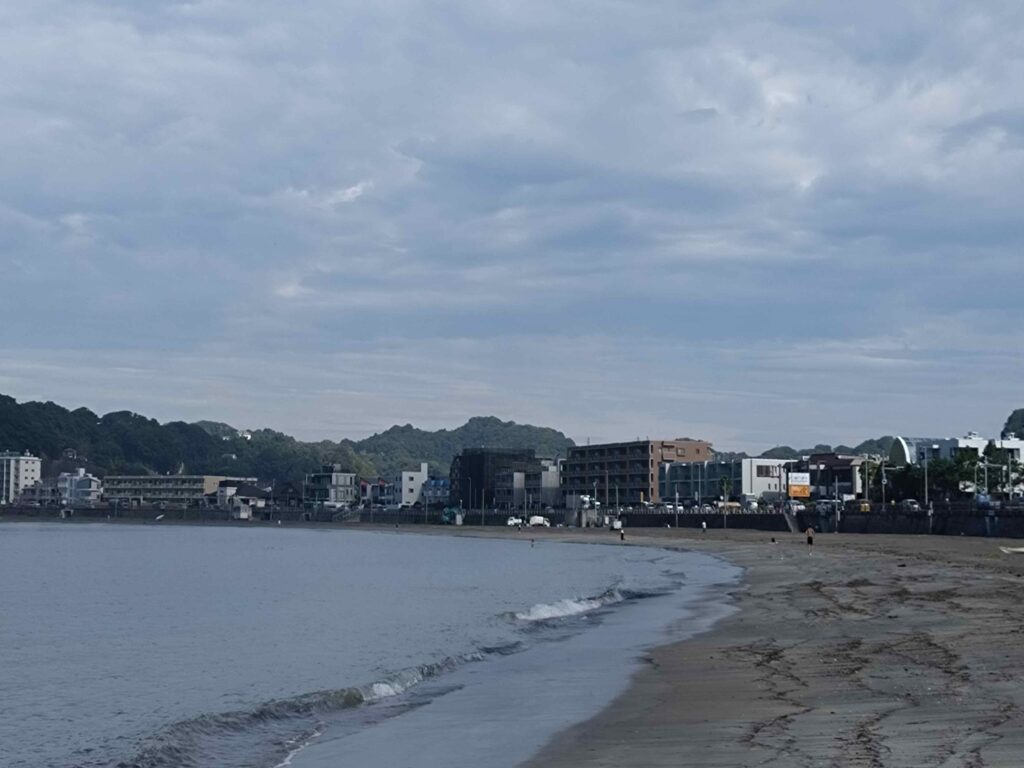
[
  {"x": 916, "y": 450},
  {"x": 833, "y": 475},
  {"x": 42, "y": 493},
  {"x": 18, "y": 471},
  {"x": 177, "y": 490},
  {"x": 79, "y": 488},
  {"x": 241, "y": 499},
  {"x": 408, "y": 485},
  {"x": 743, "y": 479},
  {"x": 436, "y": 491},
  {"x": 331, "y": 487}
]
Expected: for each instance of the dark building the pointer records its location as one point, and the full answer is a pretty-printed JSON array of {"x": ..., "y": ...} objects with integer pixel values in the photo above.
[
  {"x": 627, "y": 471},
  {"x": 833, "y": 475},
  {"x": 473, "y": 473}
]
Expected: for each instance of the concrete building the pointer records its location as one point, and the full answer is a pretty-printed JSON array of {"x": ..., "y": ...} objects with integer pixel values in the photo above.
[
  {"x": 474, "y": 470},
  {"x": 408, "y": 485},
  {"x": 833, "y": 475},
  {"x": 913, "y": 450},
  {"x": 42, "y": 493},
  {"x": 628, "y": 471},
  {"x": 18, "y": 471},
  {"x": 79, "y": 489},
  {"x": 536, "y": 488},
  {"x": 746, "y": 479},
  {"x": 436, "y": 491},
  {"x": 177, "y": 490},
  {"x": 331, "y": 487}
]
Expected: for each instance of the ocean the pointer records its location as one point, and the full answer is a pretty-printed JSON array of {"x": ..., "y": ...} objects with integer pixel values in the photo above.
[{"x": 169, "y": 646}]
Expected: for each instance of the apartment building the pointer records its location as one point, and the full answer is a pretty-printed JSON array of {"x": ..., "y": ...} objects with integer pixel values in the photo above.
[
  {"x": 626, "y": 472},
  {"x": 18, "y": 471},
  {"x": 176, "y": 490}
]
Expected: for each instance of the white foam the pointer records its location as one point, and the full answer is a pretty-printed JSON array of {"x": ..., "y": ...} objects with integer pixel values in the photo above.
[{"x": 569, "y": 607}]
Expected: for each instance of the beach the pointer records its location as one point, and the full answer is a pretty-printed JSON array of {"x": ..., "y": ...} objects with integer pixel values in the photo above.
[{"x": 872, "y": 651}]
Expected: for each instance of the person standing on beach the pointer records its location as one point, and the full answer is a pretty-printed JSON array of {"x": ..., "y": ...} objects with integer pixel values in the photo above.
[
  {"x": 810, "y": 539},
  {"x": 703, "y": 526}
]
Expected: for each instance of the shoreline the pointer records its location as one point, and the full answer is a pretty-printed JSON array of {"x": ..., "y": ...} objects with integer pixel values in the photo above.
[
  {"x": 902, "y": 652},
  {"x": 875, "y": 650}
]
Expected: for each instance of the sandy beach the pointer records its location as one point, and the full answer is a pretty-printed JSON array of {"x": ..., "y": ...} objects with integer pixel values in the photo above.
[{"x": 872, "y": 651}]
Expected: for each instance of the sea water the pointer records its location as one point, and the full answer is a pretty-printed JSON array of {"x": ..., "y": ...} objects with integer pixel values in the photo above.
[{"x": 214, "y": 647}]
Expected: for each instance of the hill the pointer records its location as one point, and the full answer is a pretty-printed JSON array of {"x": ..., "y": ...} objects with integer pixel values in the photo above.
[
  {"x": 128, "y": 443},
  {"x": 1014, "y": 424},
  {"x": 406, "y": 446},
  {"x": 875, "y": 447}
]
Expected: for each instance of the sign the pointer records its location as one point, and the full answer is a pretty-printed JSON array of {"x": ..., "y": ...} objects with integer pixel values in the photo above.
[{"x": 799, "y": 485}]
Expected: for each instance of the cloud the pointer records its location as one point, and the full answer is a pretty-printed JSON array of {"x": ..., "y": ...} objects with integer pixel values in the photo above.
[{"x": 756, "y": 199}]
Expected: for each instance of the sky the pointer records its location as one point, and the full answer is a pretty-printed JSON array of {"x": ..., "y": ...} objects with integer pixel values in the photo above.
[{"x": 750, "y": 222}]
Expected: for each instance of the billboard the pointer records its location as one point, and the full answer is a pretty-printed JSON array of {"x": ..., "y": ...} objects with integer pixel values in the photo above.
[{"x": 799, "y": 485}]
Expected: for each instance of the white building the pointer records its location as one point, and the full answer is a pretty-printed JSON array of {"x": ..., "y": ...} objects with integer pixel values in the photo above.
[
  {"x": 705, "y": 480},
  {"x": 408, "y": 486},
  {"x": 18, "y": 471},
  {"x": 79, "y": 488},
  {"x": 914, "y": 450}
]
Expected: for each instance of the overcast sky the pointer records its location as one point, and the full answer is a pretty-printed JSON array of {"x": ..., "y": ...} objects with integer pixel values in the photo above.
[{"x": 754, "y": 222}]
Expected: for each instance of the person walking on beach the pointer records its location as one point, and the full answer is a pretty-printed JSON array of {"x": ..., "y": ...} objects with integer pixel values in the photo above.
[
  {"x": 622, "y": 535},
  {"x": 810, "y": 539},
  {"x": 703, "y": 526}
]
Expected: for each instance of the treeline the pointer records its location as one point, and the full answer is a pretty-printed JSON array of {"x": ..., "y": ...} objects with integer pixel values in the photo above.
[{"x": 128, "y": 443}]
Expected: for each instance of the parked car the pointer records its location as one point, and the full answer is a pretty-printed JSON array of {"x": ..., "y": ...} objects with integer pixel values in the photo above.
[
  {"x": 793, "y": 506},
  {"x": 910, "y": 505}
]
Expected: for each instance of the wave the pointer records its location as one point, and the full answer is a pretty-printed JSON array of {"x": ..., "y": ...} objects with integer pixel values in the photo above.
[
  {"x": 274, "y": 731},
  {"x": 570, "y": 607}
]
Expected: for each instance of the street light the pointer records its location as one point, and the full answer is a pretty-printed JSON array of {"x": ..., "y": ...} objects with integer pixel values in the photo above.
[{"x": 934, "y": 447}]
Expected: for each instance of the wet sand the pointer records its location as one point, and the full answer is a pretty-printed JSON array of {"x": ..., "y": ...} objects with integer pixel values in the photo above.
[{"x": 873, "y": 651}]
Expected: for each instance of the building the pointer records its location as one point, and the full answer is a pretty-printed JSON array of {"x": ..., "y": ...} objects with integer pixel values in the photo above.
[
  {"x": 408, "y": 485},
  {"x": 177, "y": 490},
  {"x": 18, "y": 471},
  {"x": 286, "y": 494},
  {"x": 914, "y": 450},
  {"x": 241, "y": 499},
  {"x": 626, "y": 473},
  {"x": 436, "y": 491},
  {"x": 544, "y": 485},
  {"x": 42, "y": 493},
  {"x": 331, "y": 487},
  {"x": 79, "y": 489},
  {"x": 534, "y": 488},
  {"x": 474, "y": 471},
  {"x": 833, "y": 475},
  {"x": 745, "y": 479}
]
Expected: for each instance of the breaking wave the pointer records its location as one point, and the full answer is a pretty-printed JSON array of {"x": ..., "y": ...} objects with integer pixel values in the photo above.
[
  {"x": 272, "y": 732},
  {"x": 570, "y": 607}
]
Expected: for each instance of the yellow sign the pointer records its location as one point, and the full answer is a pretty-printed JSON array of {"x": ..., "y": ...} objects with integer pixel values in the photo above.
[{"x": 800, "y": 491}]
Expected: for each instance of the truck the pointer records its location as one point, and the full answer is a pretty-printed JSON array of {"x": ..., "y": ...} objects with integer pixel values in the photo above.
[{"x": 539, "y": 521}]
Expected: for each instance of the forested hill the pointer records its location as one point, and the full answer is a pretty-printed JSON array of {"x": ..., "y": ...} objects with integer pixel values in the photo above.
[
  {"x": 128, "y": 443},
  {"x": 406, "y": 446}
]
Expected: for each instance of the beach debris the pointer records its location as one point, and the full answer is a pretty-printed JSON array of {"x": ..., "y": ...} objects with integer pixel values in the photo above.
[{"x": 1012, "y": 550}]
